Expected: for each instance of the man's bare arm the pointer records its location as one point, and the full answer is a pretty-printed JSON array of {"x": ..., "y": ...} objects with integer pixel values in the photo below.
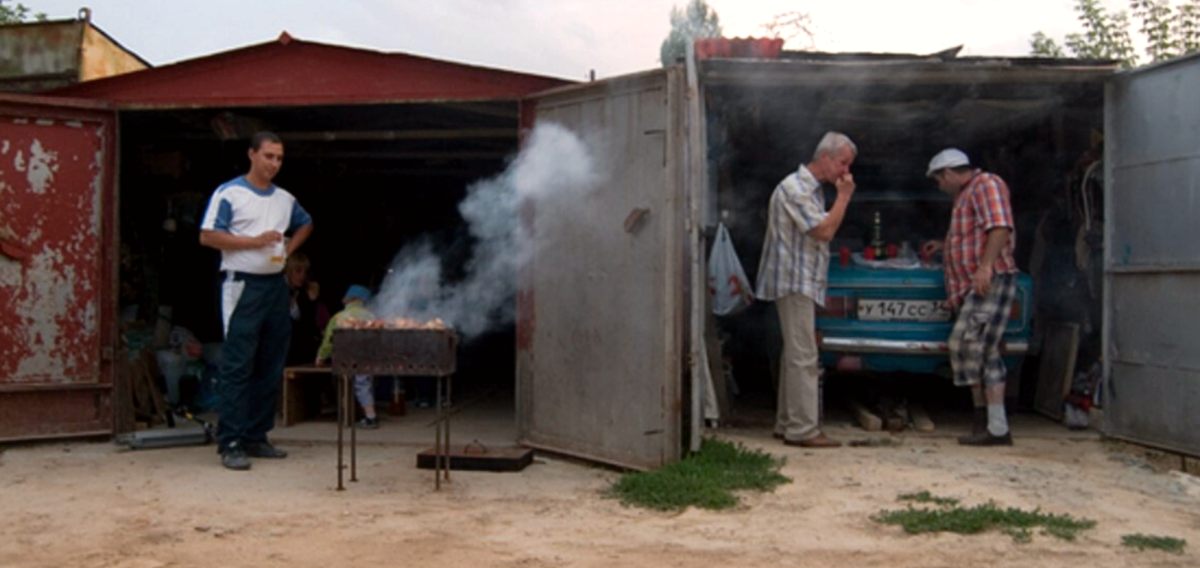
[
  {"x": 221, "y": 240},
  {"x": 298, "y": 238},
  {"x": 826, "y": 229},
  {"x": 996, "y": 239}
]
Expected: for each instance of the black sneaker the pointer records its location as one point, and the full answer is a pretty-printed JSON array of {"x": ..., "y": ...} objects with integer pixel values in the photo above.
[
  {"x": 986, "y": 439},
  {"x": 235, "y": 459},
  {"x": 369, "y": 423},
  {"x": 264, "y": 450}
]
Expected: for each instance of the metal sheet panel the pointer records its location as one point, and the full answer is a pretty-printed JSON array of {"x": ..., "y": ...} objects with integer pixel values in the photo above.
[
  {"x": 601, "y": 310},
  {"x": 1151, "y": 329},
  {"x": 57, "y": 273},
  {"x": 294, "y": 72}
]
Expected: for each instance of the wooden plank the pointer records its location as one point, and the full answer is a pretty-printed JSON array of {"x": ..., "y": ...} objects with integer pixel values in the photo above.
[
  {"x": 298, "y": 399},
  {"x": 867, "y": 419},
  {"x": 156, "y": 396},
  {"x": 123, "y": 402},
  {"x": 1056, "y": 369},
  {"x": 920, "y": 418},
  {"x": 142, "y": 404},
  {"x": 894, "y": 414}
]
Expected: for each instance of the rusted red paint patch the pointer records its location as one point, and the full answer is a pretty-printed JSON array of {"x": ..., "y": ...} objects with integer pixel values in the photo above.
[{"x": 51, "y": 177}]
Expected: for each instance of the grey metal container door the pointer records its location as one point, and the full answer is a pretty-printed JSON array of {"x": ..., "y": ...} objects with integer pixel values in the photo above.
[
  {"x": 1152, "y": 264},
  {"x": 601, "y": 306}
]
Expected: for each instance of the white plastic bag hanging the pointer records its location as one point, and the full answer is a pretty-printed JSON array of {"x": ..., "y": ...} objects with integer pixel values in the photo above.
[{"x": 727, "y": 282}]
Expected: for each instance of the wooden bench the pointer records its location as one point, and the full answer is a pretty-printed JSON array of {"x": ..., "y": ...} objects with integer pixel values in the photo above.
[
  {"x": 303, "y": 385},
  {"x": 300, "y": 398}
]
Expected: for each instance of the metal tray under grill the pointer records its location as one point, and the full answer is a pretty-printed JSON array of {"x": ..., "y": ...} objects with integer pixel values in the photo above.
[{"x": 429, "y": 352}]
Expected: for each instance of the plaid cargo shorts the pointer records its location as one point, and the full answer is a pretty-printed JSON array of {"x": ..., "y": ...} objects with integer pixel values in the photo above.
[{"x": 975, "y": 340}]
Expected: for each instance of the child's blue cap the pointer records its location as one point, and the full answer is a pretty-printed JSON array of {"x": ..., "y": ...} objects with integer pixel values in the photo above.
[{"x": 357, "y": 292}]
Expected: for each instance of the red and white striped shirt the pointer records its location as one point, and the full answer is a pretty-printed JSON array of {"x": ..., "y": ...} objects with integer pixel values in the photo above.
[{"x": 984, "y": 204}]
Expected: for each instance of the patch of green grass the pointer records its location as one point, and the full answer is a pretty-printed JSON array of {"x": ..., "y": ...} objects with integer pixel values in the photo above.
[
  {"x": 949, "y": 516},
  {"x": 1163, "y": 543},
  {"x": 926, "y": 497},
  {"x": 705, "y": 479}
]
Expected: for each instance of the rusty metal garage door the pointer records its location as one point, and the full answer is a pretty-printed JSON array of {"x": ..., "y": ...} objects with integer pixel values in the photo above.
[{"x": 57, "y": 268}]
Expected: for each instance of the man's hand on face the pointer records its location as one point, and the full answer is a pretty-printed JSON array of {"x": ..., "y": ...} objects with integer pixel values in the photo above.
[{"x": 845, "y": 185}]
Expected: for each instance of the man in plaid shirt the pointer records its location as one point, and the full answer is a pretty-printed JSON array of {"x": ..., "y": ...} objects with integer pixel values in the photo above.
[
  {"x": 794, "y": 273},
  {"x": 981, "y": 283}
]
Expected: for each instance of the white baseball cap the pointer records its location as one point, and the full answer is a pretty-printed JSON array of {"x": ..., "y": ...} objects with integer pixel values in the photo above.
[{"x": 948, "y": 158}]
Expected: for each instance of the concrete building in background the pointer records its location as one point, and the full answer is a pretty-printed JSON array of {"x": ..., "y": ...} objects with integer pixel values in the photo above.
[{"x": 39, "y": 56}]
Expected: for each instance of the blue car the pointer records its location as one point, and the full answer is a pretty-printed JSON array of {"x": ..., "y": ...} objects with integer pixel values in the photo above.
[{"x": 880, "y": 319}]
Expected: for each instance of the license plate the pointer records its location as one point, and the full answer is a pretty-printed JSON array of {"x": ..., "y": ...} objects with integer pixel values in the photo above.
[{"x": 903, "y": 310}]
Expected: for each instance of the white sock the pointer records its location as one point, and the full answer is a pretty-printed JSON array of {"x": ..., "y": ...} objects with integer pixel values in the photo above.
[{"x": 997, "y": 421}]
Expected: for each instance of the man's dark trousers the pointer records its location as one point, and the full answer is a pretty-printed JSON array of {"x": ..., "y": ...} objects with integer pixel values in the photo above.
[{"x": 252, "y": 357}]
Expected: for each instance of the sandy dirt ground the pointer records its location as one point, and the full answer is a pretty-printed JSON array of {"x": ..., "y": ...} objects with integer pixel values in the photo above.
[{"x": 96, "y": 505}]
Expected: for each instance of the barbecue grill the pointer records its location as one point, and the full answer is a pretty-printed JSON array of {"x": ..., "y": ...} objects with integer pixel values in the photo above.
[{"x": 388, "y": 351}]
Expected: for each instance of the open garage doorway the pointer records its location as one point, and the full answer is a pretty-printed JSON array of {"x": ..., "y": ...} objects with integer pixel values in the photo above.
[{"x": 378, "y": 180}]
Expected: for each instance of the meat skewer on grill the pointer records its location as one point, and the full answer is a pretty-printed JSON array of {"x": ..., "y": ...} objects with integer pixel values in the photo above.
[{"x": 394, "y": 323}]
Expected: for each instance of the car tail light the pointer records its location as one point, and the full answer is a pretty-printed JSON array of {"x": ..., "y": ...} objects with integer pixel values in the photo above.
[
  {"x": 836, "y": 307},
  {"x": 1015, "y": 314}
]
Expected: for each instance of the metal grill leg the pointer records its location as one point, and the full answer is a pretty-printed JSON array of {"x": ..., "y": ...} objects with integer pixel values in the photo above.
[
  {"x": 437, "y": 442},
  {"x": 446, "y": 417},
  {"x": 341, "y": 411},
  {"x": 351, "y": 412}
]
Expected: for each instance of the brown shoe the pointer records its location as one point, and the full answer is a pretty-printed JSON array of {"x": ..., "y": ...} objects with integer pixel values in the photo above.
[{"x": 818, "y": 441}]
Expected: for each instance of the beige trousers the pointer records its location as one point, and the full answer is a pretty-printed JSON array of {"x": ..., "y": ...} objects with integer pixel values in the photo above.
[{"x": 796, "y": 416}]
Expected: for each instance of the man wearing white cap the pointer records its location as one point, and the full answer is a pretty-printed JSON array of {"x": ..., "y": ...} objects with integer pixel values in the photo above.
[{"x": 981, "y": 283}]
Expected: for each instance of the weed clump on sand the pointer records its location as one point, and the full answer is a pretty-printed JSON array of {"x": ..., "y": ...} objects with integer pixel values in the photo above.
[
  {"x": 1151, "y": 542},
  {"x": 704, "y": 479},
  {"x": 947, "y": 515}
]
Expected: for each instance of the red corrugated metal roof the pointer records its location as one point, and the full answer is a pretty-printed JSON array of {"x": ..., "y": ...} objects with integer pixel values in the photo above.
[
  {"x": 738, "y": 48},
  {"x": 294, "y": 72}
]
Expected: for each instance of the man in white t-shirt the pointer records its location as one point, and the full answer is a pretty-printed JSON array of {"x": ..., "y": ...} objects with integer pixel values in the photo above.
[{"x": 256, "y": 225}]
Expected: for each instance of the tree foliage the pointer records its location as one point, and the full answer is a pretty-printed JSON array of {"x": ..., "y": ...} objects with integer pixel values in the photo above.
[
  {"x": 1170, "y": 30},
  {"x": 696, "y": 21},
  {"x": 15, "y": 14}
]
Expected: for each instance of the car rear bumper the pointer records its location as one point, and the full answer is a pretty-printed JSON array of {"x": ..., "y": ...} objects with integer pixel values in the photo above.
[{"x": 907, "y": 347}]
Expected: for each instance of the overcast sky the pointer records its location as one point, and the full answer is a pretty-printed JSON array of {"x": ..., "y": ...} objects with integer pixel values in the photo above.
[{"x": 561, "y": 38}]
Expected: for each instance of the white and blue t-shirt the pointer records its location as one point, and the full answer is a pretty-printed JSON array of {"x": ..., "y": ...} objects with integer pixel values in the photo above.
[{"x": 239, "y": 208}]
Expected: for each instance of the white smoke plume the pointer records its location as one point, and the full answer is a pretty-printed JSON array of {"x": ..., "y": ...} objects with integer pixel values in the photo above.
[{"x": 554, "y": 161}]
